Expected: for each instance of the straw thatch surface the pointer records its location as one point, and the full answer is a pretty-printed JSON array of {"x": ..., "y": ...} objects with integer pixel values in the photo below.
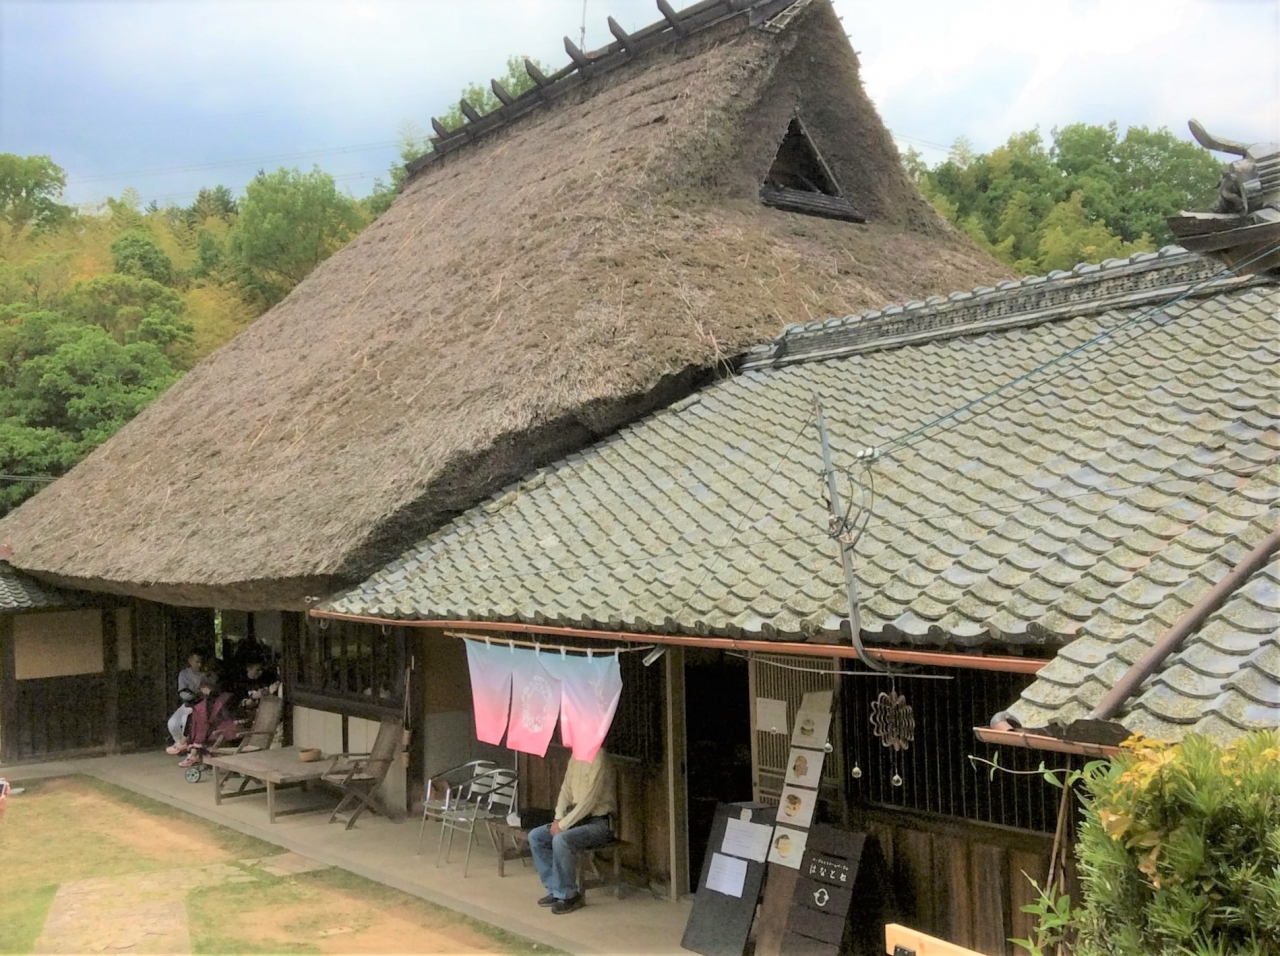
[{"x": 556, "y": 279}]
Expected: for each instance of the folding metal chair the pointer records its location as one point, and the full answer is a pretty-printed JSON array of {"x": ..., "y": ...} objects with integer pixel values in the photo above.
[
  {"x": 444, "y": 789},
  {"x": 490, "y": 795}
]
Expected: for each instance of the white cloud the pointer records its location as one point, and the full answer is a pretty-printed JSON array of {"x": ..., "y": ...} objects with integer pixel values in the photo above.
[{"x": 148, "y": 84}]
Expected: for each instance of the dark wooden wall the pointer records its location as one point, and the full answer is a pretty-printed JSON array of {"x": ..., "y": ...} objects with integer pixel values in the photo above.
[{"x": 962, "y": 882}]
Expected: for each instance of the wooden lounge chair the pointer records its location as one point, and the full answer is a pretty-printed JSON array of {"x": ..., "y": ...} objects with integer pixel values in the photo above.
[
  {"x": 266, "y": 721},
  {"x": 359, "y": 775},
  {"x": 444, "y": 790}
]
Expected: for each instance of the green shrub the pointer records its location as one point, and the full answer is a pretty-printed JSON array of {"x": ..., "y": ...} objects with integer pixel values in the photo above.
[{"x": 1179, "y": 850}]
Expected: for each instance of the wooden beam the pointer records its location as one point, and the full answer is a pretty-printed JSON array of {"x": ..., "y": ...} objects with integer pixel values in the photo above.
[
  {"x": 535, "y": 74},
  {"x": 900, "y": 939},
  {"x": 501, "y": 93},
  {"x": 111, "y": 680},
  {"x": 8, "y": 692},
  {"x": 670, "y": 15},
  {"x": 677, "y": 780},
  {"x": 579, "y": 58},
  {"x": 622, "y": 35},
  {"x": 469, "y": 111},
  {"x": 439, "y": 127}
]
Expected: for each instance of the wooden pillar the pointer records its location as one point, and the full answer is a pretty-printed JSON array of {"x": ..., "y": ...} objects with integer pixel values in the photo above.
[
  {"x": 677, "y": 781},
  {"x": 110, "y": 680},
  {"x": 8, "y": 691}
]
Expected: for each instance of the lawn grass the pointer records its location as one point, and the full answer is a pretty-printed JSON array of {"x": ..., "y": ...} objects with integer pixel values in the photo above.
[
  {"x": 76, "y": 828},
  {"x": 23, "y": 910},
  {"x": 304, "y": 913}
]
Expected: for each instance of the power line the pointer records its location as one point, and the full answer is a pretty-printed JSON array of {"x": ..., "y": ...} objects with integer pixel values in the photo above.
[
  {"x": 822, "y": 533},
  {"x": 906, "y": 439}
]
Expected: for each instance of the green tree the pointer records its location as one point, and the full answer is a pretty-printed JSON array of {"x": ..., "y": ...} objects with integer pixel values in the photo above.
[
  {"x": 218, "y": 202},
  {"x": 137, "y": 254},
  {"x": 289, "y": 223},
  {"x": 30, "y": 187},
  {"x": 1090, "y": 193},
  {"x": 65, "y": 387},
  {"x": 133, "y": 309}
]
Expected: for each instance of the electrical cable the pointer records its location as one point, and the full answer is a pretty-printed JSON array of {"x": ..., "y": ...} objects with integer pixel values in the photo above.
[
  {"x": 828, "y": 671},
  {"x": 907, "y": 437}
]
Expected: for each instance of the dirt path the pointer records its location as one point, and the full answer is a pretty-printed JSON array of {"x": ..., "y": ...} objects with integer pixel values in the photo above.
[{"x": 143, "y": 913}]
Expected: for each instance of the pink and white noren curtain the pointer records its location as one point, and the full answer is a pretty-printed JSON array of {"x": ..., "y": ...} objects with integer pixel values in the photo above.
[
  {"x": 590, "y": 689},
  {"x": 525, "y": 692},
  {"x": 535, "y": 704},
  {"x": 490, "y": 688}
]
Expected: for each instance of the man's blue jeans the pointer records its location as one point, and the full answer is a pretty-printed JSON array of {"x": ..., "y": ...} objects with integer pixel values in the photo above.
[{"x": 554, "y": 856}]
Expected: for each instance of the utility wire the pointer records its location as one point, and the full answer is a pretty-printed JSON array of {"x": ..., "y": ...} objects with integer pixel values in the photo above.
[
  {"x": 823, "y": 533},
  {"x": 907, "y": 438}
]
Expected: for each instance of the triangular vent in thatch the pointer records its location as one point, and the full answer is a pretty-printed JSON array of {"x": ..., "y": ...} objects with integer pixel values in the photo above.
[
  {"x": 539, "y": 283},
  {"x": 801, "y": 181}
]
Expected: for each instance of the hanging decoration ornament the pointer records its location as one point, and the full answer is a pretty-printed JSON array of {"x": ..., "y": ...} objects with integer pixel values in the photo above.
[
  {"x": 894, "y": 723},
  {"x": 892, "y": 720}
]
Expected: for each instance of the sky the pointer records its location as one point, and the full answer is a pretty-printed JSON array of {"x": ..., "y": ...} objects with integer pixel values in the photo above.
[{"x": 171, "y": 95}]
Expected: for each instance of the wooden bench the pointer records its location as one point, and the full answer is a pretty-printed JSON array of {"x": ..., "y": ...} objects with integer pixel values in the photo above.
[
  {"x": 588, "y": 869},
  {"x": 500, "y": 832}
]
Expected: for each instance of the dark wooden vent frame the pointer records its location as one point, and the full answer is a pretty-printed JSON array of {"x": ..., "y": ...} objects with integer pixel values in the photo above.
[{"x": 799, "y": 179}]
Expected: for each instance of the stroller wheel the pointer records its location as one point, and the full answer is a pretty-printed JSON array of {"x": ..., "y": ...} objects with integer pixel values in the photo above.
[{"x": 194, "y": 773}]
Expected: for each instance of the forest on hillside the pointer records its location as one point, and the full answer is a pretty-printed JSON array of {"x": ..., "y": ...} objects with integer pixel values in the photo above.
[{"x": 102, "y": 310}]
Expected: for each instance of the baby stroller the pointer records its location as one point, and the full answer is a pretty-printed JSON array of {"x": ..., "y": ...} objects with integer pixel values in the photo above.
[{"x": 212, "y": 725}]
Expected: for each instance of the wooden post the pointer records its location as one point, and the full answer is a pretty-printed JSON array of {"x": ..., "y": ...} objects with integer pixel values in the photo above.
[
  {"x": 8, "y": 691},
  {"x": 110, "y": 680},
  {"x": 677, "y": 783}
]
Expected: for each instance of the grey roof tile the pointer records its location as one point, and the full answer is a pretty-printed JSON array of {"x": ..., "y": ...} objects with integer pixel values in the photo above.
[
  {"x": 1092, "y": 504},
  {"x": 21, "y": 592}
]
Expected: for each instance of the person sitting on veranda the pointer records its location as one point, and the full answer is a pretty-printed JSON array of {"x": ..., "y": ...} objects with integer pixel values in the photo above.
[
  {"x": 260, "y": 681},
  {"x": 188, "y": 693},
  {"x": 212, "y": 717},
  {"x": 587, "y": 801}
]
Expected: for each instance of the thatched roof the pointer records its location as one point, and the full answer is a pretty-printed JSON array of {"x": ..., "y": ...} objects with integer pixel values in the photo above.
[{"x": 532, "y": 289}]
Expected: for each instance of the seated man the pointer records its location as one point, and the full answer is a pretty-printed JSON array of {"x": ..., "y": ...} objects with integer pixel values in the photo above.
[
  {"x": 587, "y": 801},
  {"x": 188, "y": 693}
]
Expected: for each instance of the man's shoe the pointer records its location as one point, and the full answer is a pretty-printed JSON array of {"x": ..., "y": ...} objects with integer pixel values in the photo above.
[
  {"x": 174, "y": 749},
  {"x": 560, "y": 907},
  {"x": 548, "y": 900}
]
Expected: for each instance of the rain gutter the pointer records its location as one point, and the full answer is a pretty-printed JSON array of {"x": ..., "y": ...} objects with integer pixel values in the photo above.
[{"x": 1100, "y": 719}]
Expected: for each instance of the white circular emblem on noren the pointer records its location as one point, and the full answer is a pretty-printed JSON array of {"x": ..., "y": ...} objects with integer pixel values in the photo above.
[{"x": 821, "y": 897}]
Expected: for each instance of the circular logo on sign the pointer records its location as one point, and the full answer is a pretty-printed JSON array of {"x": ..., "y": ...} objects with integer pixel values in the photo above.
[{"x": 821, "y": 897}]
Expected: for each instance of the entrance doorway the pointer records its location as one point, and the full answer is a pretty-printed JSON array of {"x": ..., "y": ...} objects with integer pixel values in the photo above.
[{"x": 718, "y": 735}]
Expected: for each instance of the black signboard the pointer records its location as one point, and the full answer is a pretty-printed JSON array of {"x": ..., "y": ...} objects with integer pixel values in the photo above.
[
  {"x": 837, "y": 900},
  {"x": 719, "y": 923}
]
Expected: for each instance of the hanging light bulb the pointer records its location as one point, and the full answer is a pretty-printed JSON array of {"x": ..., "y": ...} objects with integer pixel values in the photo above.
[
  {"x": 896, "y": 781},
  {"x": 856, "y": 772}
]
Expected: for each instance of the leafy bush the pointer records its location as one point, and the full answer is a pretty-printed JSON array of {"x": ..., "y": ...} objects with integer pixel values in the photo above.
[{"x": 1179, "y": 850}]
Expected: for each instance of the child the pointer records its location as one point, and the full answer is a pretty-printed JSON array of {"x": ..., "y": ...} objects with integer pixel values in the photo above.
[
  {"x": 188, "y": 692},
  {"x": 212, "y": 719}
]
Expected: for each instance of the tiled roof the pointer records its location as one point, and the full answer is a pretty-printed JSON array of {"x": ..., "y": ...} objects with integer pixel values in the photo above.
[
  {"x": 1138, "y": 466},
  {"x": 18, "y": 592},
  {"x": 1222, "y": 682}
]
